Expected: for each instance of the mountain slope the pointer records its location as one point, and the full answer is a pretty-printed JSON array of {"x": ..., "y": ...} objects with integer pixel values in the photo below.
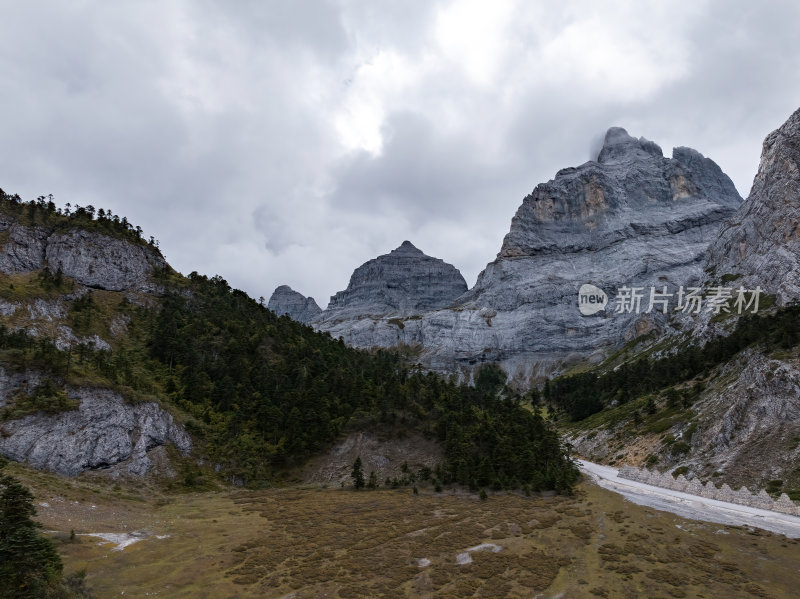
[
  {"x": 104, "y": 374},
  {"x": 761, "y": 242}
]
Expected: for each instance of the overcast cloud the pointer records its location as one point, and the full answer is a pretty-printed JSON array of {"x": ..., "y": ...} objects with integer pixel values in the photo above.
[{"x": 289, "y": 141}]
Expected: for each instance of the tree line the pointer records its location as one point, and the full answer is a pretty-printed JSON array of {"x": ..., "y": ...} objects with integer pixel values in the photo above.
[{"x": 581, "y": 395}]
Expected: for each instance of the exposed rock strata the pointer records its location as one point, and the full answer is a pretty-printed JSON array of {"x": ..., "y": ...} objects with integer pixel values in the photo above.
[
  {"x": 405, "y": 282},
  {"x": 91, "y": 258},
  {"x": 761, "y": 242},
  {"x": 104, "y": 431}
]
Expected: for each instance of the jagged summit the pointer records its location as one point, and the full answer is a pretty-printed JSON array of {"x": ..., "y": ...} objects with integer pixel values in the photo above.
[
  {"x": 618, "y": 146},
  {"x": 631, "y": 189},
  {"x": 407, "y": 248},
  {"x": 285, "y": 300},
  {"x": 404, "y": 282}
]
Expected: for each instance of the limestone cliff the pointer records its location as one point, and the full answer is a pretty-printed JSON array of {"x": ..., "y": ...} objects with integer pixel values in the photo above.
[
  {"x": 761, "y": 242},
  {"x": 104, "y": 431},
  {"x": 90, "y": 258}
]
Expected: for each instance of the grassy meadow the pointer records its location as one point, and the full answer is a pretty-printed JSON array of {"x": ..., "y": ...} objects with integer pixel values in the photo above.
[{"x": 337, "y": 543}]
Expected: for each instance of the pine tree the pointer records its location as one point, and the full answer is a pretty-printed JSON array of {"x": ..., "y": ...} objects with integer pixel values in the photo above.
[
  {"x": 29, "y": 563},
  {"x": 358, "y": 474}
]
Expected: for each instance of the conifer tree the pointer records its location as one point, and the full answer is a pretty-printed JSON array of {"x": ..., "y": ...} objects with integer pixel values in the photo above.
[
  {"x": 29, "y": 563},
  {"x": 358, "y": 474}
]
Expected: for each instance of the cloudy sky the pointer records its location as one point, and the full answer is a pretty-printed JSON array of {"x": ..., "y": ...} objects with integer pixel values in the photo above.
[{"x": 288, "y": 141}]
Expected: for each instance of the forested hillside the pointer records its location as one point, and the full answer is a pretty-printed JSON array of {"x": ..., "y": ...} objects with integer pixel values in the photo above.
[
  {"x": 259, "y": 393},
  {"x": 268, "y": 392},
  {"x": 581, "y": 395}
]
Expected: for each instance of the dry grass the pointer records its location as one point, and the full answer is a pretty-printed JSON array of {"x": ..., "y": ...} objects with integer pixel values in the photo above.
[{"x": 340, "y": 543}]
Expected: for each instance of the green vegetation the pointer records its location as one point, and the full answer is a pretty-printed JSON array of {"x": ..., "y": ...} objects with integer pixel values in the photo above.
[
  {"x": 581, "y": 395},
  {"x": 30, "y": 567},
  {"x": 45, "y": 397},
  {"x": 358, "y": 474},
  {"x": 43, "y": 212},
  {"x": 266, "y": 393},
  {"x": 262, "y": 394}
]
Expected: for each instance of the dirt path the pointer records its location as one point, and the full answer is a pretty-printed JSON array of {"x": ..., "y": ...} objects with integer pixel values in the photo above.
[{"x": 691, "y": 506}]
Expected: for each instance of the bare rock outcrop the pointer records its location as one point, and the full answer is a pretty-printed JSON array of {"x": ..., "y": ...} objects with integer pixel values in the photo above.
[
  {"x": 748, "y": 429},
  {"x": 104, "y": 431},
  {"x": 91, "y": 258},
  {"x": 101, "y": 261}
]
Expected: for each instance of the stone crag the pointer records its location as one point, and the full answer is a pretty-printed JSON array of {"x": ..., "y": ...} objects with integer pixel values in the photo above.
[
  {"x": 296, "y": 306},
  {"x": 104, "y": 431},
  {"x": 90, "y": 258},
  {"x": 743, "y": 496},
  {"x": 761, "y": 242},
  {"x": 387, "y": 293}
]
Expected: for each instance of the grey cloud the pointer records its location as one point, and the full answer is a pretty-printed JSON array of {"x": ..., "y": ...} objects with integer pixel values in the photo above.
[{"x": 212, "y": 125}]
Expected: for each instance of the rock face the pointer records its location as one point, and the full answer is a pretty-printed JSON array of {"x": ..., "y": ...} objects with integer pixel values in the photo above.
[
  {"x": 91, "y": 258},
  {"x": 286, "y": 300},
  {"x": 403, "y": 283},
  {"x": 749, "y": 429},
  {"x": 761, "y": 242},
  {"x": 104, "y": 431},
  {"x": 631, "y": 218},
  {"x": 743, "y": 430}
]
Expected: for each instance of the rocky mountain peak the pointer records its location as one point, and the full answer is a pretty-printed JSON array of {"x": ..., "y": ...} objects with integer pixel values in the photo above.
[
  {"x": 407, "y": 248},
  {"x": 631, "y": 188},
  {"x": 403, "y": 282},
  {"x": 618, "y": 146},
  {"x": 632, "y": 218},
  {"x": 285, "y": 300}
]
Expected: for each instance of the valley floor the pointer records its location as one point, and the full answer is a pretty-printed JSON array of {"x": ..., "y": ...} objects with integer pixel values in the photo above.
[
  {"x": 338, "y": 543},
  {"x": 691, "y": 506}
]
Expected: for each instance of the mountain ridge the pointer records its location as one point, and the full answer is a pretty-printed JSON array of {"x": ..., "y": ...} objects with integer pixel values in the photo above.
[{"x": 631, "y": 218}]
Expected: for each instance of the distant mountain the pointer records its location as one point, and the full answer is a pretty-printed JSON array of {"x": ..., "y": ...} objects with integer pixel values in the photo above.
[
  {"x": 285, "y": 300},
  {"x": 404, "y": 282},
  {"x": 630, "y": 218}
]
